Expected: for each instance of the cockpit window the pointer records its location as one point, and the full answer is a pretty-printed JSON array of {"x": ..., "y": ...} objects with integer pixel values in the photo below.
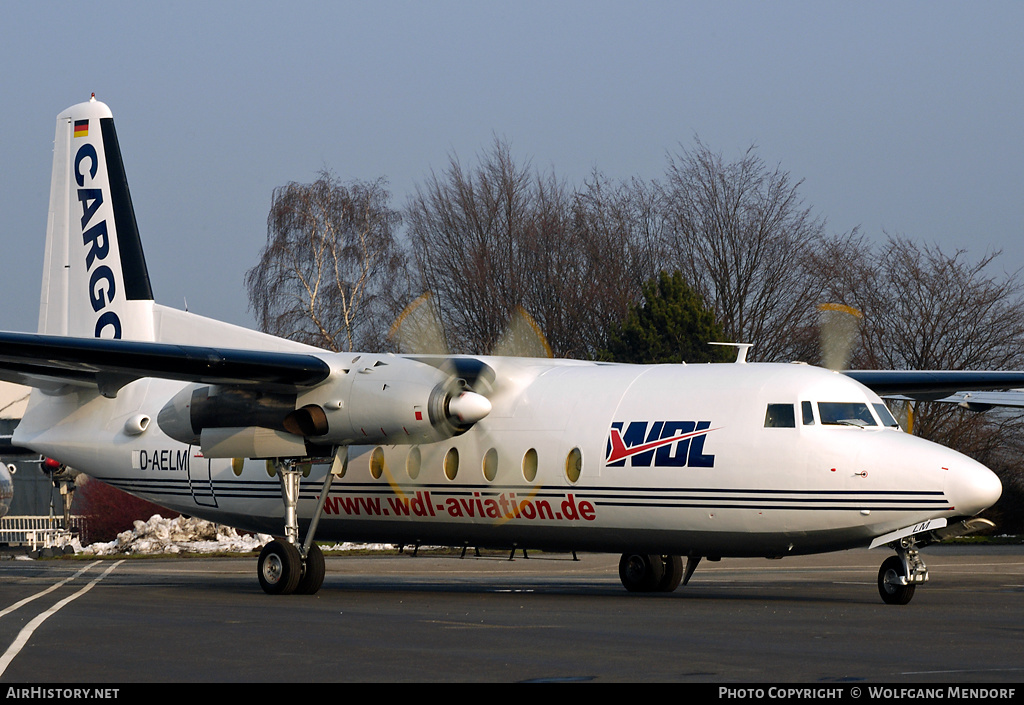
[
  {"x": 843, "y": 413},
  {"x": 780, "y": 416},
  {"x": 807, "y": 413},
  {"x": 885, "y": 416}
]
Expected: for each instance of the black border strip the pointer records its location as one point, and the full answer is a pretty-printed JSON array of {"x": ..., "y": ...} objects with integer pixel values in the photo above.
[{"x": 129, "y": 243}]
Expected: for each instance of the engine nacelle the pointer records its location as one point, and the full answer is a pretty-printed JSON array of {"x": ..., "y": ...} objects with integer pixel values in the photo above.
[{"x": 373, "y": 399}]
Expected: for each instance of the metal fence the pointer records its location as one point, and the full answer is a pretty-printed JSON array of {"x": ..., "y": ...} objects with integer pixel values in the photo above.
[{"x": 39, "y": 531}]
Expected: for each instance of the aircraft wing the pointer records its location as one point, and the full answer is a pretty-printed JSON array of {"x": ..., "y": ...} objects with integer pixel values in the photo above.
[
  {"x": 967, "y": 388},
  {"x": 49, "y": 361},
  {"x": 976, "y": 401}
]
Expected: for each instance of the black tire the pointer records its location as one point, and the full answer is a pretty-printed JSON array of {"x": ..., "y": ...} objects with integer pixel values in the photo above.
[
  {"x": 313, "y": 572},
  {"x": 889, "y": 587},
  {"x": 673, "y": 573},
  {"x": 641, "y": 572},
  {"x": 279, "y": 568}
]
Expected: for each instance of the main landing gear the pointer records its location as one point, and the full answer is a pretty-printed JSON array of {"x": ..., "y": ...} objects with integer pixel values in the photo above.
[
  {"x": 283, "y": 570},
  {"x": 645, "y": 572},
  {"x": 286, "y": 566}
]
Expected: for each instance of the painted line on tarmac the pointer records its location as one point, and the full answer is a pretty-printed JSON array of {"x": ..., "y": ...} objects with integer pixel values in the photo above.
[
  {"x": 22, "y": 603},
  {"x": 26, "y": 633}
]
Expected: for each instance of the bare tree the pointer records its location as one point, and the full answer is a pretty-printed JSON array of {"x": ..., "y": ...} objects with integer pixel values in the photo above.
[
  {"x": 926, "y": 309},
  {"x": 332, "y": 272},
  {"x": 589, "y": 252},
  {"x": 501, "y": 236},
  {"x": 465, "y": 228},
  {"x": 743, "y": 239},
  {"x": 620, "y": 227}
]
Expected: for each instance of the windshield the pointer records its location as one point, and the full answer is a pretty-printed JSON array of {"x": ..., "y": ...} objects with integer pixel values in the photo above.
[
  {"x": 845, "y": 413},
  {"x": 885, "y": 415}
]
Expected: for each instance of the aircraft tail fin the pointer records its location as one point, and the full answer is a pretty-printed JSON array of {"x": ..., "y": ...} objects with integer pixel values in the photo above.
[{"x": 95, "y": 280}]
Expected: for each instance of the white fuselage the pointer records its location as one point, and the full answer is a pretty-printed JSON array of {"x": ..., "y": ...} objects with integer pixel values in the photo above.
[{"x": 542, "y": 471}]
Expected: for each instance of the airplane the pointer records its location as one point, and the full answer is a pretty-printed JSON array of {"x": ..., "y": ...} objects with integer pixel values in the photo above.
[
  {"x": 666, "y": 465},
  {"x": 6, "y": 489}
]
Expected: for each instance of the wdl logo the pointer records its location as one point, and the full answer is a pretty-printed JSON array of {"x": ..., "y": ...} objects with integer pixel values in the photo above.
[{"x": 674, "y": 444}]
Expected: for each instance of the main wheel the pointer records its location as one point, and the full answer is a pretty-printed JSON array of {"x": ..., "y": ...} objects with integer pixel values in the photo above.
[
  {"x": 279, "y": 568},
  {"x": 641, "y": 572},
  {"x": 313, "y": 572},
  {"x": 891, "y": 589},
  {"x": 673, "y": 573}
]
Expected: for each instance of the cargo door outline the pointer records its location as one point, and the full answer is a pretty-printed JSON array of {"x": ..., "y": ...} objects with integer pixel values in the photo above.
[{"x": 200, "y": 479}]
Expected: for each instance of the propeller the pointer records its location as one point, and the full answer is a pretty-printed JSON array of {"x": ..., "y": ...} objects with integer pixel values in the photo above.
[
  {"x": 418, "y": 333},
  {"x": 522, "y": 338},
  {"x": 418, "y": 330},
  {"x": 838, "y": 331}
]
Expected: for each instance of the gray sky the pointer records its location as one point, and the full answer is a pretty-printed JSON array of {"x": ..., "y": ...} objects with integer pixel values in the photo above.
[{"x": 900, "y": 117}]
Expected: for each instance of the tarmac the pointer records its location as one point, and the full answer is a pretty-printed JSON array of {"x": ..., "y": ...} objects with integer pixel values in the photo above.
[{"x": 391, "y": 618}]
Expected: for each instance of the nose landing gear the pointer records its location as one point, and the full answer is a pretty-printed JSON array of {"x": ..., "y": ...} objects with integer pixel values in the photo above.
[{"x": 900, "y": 575}]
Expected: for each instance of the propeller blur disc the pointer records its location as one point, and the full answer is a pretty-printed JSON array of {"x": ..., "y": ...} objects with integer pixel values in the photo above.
[{"x": 838, "y": 330}]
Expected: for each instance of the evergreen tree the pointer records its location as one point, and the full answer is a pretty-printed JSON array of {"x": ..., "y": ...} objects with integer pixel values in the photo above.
[{"x": 671, "y": 325}]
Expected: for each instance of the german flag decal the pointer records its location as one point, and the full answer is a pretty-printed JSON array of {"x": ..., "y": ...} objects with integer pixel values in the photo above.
[{"x": 81, "y": 128}]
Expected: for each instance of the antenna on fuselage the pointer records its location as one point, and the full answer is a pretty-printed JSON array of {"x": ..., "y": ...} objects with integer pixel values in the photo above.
[{"x": 741, "y": 350}]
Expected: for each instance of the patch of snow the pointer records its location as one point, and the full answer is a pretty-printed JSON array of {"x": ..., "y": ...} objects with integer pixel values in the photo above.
[
  {"x": 178, "y": 535},
  {"x": 190, "y": 535}
]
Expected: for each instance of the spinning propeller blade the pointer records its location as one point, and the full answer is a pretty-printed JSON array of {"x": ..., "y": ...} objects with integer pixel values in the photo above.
[{"x": 838, "y": 330}]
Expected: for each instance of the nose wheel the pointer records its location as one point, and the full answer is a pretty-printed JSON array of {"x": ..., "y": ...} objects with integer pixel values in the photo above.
[
  {"x": 900, "y": 575},
  {"x": 892, "y": 582}
]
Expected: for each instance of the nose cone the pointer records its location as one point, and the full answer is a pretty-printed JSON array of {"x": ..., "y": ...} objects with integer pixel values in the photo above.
[
  {"x": 971, "y": 487},
  {"x": 469, "y": 407}
]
